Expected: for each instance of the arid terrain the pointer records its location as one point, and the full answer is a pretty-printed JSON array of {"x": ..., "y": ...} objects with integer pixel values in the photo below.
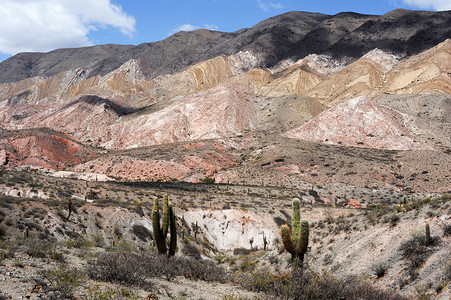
[{"x": 349, "y": 113}]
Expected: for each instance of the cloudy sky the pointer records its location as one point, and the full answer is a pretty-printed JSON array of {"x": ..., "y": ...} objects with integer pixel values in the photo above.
[{"x": 45, "y": 25}]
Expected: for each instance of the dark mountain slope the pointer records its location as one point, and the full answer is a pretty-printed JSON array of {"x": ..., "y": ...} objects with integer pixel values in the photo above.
[
  {"x": 290, "y": 35},
  {"x": 273, "y": 37},
  {"x": 400, "y": 31},
  {"x": 26, "y": 65},
  {"x": 328, "y": 33}
]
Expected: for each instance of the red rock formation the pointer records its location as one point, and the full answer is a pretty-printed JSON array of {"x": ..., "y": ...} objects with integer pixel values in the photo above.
[
  {"x": 43, "y": 149},
  {"x": 353, "y": 203}
]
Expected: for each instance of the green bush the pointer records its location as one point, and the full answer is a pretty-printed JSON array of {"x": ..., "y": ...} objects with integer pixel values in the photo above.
[
  {"x": 62, "y": 280},
  {"x": 80, "y": 242}
]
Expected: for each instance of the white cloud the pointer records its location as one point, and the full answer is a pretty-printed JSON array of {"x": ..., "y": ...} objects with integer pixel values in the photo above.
[
  {"x": 276, "y": 5},
  {"x": 190, "y": 27},
  {"x": 211, "y": 27},
  {"x": 267, "y": 6},
  {"x": 43, "y": 25},
  {"x": 427, "y": 4}
]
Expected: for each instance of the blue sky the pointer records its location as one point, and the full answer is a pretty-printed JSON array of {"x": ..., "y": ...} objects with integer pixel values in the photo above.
[{"x": 44, "y": 25}]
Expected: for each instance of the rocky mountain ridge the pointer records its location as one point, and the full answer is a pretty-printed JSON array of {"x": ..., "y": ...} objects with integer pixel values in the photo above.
[
  {"x": 129, "y": 100},
  {"x": 291, "y": 35}
]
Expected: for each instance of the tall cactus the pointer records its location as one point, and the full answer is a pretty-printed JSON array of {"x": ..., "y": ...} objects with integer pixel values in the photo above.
[
  {"x": 428, "y": 234},
  {"x": 69, "y": 207},
  {"x": 297, "y": 244},
  {"x": 160, "y": 233}
]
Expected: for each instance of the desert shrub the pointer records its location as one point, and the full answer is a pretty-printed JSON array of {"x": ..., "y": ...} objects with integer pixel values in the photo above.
[
  {"x": 80, "y": 242},
  {"x": 235, "y": 297},
  {"x": 120, "y": 247},
  {"x": 309, "y": 285},
  {"x": 141, "y": 232},
  {"x": 241, "y": 251},
  {"x": 247, "y": 264},
  {"x": 447, "y": 271},
  {"x": 379, "y": 269},
  {"x": 416, "y": 251},
  {"x": 2, "y": 232},
  {"x": 121, "y": 293},
  {"x": 57, "y": 256},
  {"x": 393, "y": 219},
  {"x": 327, "y": 260},
  {"x": 37, "y": 247},
  {"x": 329, "y": 219},
  {"x": 138, "y": 268},
  {"x": 447, "y": 230},
  {"x": 191, "y": 250},
  {"x": 204, "y": 270},
  {"x": 9, "y": 222},
  {"x": 117, "y": 231},
  {"x": 124, "y": 268},
  {"x": 62, "y": 280},
  {"x": 98, "y": 240}
]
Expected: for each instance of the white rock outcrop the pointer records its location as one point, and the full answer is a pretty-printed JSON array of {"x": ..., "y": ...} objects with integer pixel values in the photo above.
[{"x": 229, "y": 229}]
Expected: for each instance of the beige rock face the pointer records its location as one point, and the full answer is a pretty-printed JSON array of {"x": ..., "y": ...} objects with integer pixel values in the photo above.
[
  {"x": 211, "y": 73},
  {"x": 359, "y": 122},
  {"x": 427, "y": 72},
  {"x": 360, "y": 78}
]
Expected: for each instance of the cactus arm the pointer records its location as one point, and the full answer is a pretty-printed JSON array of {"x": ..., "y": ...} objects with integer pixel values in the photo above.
[
  {"x": 296, "y": 220},
  {"x": 165, "y": 216},
  {"x": 286, "y": 239},
  {"x": 303, "y": 240},
  {"x": 158, "y": 235},
  {"x": 173, "y": 231}
]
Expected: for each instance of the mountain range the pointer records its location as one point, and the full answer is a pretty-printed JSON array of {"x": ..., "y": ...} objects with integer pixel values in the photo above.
[{"x": 300, "y": 97}]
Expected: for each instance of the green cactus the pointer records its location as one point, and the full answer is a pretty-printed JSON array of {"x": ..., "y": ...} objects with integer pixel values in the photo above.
[
  {"x": 160, "y": 233},
  {"x": 140, "y": 209},
  {"x": 69, "y": 207},
  {"x": 297, "y": 244},
  {"x": 173, "y": 231},
  {"x": 26, "y": 233},
  {"x": 428, "y": 235},
  {"x": 265, "y": 242}
]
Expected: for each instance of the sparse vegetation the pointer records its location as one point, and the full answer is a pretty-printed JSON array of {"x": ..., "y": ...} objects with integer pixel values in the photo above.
[
  {"x": 53, "y": 241},
  {"x": 415, "y": 251},
  {"x": 62, "y": 281},
  {"x": 306, "y": 284}
]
